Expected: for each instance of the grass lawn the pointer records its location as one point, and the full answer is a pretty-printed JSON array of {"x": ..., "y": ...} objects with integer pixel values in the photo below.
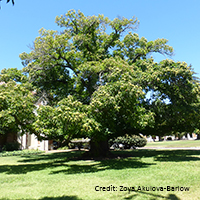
[
  {"x": 176, "y": 143},
  {"x": 62, "y": 176}
]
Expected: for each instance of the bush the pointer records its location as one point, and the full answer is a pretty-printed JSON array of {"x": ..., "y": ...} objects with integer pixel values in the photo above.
[
  {"x": 128, "y": 141},
  {"x": 11, "y": 146}
]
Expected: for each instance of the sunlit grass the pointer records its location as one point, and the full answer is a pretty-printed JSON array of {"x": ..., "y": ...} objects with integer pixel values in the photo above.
[
  {"x": 68, "y": 176},
  {"x": 174, "y": 144}
]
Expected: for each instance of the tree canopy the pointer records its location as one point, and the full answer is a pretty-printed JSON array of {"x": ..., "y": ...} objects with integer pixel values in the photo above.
[
  {"x": 102, "y": 82},
  {"x": 16, "y": 108}
]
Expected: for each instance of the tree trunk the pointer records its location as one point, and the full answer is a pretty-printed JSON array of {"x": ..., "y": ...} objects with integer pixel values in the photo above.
[
  {"x": 99, "y": 148},
  {"x": 198, "y": 136}
]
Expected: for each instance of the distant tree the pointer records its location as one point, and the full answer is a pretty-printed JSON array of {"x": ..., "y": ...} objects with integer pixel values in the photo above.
[{"x": 109, "y": 72}]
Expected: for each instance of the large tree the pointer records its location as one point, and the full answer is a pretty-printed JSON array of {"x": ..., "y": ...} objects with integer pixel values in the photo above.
[
  {"x": 69, "y": 62},
  {"x": 107, "y": 68}
]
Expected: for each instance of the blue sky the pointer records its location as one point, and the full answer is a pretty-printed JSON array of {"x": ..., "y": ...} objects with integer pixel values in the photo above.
[{"x": 175, "y": 20}]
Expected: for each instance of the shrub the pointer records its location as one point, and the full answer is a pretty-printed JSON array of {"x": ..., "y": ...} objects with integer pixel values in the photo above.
[
  {"x": 128, "y": 141},
  {"x": 11, "y": 146}
]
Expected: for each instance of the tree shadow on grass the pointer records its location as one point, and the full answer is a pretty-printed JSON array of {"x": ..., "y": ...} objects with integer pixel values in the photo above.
[
  {"x": 152, "y": 196},
  {"x": 67, "y": 161},
  {"x": 74, "y": 166},
  {"x": 61, "y": 198},
  {"x": 167, "y": 155},
  {"x": 55, "y": 198},
  {"x": 178, "y": 156},
  {"x": 114, "y": 164},
  {"x": 51, "y": 156},
  {"x": 158, "y": 155}
]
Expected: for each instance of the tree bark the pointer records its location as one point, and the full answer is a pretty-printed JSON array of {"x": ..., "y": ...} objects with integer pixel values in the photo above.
[{"x": 99, "y": 148}]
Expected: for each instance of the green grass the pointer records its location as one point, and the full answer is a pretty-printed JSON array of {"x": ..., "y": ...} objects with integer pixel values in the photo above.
[
  {"x": 62, "y": 176},
  {"x": 20, "y": 153},
  {"x": 176, "y": 143}
]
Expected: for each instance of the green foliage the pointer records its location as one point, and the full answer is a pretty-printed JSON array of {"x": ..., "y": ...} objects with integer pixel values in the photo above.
[
  {"x": 128, "y": 141},
  {"x": 63, "y": 148},
  {"x": 172, "y": 95},
  {"x": 197, "y": 131},
  {"x": 71, "y": 145},
  {"x": 13, "y": 74},
  {"x": 101, "y": 82},
  {"x": 80, "y": 50},
  {"x": 179, "y": 135},
  {"x": 16, "y": 108},
  {"x": 117, "y": 105},
  {"x": 65, "y": 121},
  {"x": 11, "y": 146}
]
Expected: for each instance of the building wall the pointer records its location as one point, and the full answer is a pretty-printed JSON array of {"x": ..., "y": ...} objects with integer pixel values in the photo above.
[{"x": 28, "y": 141}]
